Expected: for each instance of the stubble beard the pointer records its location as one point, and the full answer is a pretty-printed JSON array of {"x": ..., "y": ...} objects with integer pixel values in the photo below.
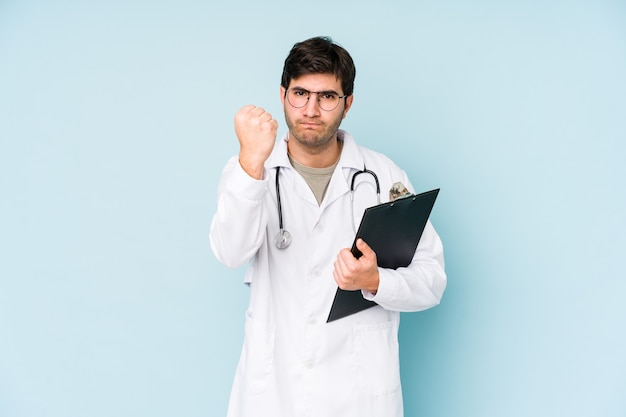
[{"x": 314, "y": 141}]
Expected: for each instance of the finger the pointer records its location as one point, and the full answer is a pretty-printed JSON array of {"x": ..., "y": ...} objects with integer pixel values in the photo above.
[
  {"x": 260, "y": 113},
  {"x": 247, "y": 108},
  {"x": 243, "y": 113},
  {"x": 261, "y": 116},
  {"x": 336, "y": 274},
  {"x": 339, "y": 275},
  {"x": 257, "y": 111},
  {"x": 365, "y": 249},
  {"x": 249, "y": 111},
  {"x": 346, "y": 257},
  {"x": 339, "y": 265}
]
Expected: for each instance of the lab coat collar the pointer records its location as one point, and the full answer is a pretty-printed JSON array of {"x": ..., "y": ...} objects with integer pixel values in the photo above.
[{"x": 351, "y": 160}]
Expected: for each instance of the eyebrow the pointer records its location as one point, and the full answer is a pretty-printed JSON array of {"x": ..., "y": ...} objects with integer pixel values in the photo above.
[{"x": 318, "y": 92}]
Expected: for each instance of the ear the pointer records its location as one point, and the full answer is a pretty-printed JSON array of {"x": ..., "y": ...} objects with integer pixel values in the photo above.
[
  {"x": 282, "y": 95},
  {"x": 349, "y": 100}
]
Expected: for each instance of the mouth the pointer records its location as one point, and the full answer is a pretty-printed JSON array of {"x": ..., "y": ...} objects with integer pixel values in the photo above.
[{"x": 309, "y": 124}]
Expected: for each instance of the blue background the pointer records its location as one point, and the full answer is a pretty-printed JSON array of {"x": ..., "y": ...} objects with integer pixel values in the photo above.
[{"x": 117, "y": 117}]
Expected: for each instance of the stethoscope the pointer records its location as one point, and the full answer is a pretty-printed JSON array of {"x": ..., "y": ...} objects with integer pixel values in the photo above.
[{"x": 283, "y": 237}]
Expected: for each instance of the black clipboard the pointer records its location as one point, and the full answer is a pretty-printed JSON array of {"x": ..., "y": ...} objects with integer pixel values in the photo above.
[{"x": 392, "y": 230}]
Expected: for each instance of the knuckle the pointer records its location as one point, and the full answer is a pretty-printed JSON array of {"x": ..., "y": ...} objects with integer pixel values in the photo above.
[{"x": 352, "y": 269}]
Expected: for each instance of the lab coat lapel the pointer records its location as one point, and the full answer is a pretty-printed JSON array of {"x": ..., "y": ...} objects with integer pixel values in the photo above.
[
  {"x": 350, "y": 161},
  {"x": 293, "y": 184}
]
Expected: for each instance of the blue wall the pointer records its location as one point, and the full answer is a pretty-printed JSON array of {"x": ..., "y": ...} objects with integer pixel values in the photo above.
[{"x": 115, "y": 122}]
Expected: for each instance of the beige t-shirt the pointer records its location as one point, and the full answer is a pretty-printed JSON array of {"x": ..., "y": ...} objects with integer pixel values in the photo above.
[{"x": 316, "y": 178}]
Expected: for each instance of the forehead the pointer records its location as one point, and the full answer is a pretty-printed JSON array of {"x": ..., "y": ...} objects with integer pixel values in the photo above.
[{"x": 317, "y": 82}]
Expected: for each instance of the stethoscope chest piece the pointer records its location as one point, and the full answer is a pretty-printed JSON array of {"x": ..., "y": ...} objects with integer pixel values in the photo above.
[{"x": 282, "y": 239}]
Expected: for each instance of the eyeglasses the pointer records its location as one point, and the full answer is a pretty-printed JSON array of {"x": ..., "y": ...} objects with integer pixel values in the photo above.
[{"x": 299, "y": 97}]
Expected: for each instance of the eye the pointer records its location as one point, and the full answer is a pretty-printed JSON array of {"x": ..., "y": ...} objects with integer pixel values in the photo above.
[
  {"x": 329, "y": 96},
  {"x": 299, "y": 93}
]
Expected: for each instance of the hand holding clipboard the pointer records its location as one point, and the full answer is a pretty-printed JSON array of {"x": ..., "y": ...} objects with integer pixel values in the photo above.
[{"x": 392, "y": 230}]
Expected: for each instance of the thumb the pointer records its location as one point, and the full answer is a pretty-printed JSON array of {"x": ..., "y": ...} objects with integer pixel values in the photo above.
[{"x": 365, "y": 249}]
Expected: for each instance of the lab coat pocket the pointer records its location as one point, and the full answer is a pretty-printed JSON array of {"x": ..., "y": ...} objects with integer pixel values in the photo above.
[
  {"x": 257, "y": 355},
  {"x": 377, "y": 357}
]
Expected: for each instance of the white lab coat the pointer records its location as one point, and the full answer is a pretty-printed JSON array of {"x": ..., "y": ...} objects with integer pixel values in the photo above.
[{"x": 293, "y": 363}]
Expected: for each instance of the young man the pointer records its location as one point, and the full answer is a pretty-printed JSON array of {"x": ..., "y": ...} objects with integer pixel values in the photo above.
[{"x": 285, "y": 207}]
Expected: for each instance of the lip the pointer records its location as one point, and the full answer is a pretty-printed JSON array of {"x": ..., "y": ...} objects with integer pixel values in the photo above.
[{"x": 310, "y": 125}]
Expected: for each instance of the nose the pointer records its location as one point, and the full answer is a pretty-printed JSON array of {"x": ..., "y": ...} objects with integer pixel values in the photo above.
[{"x": 312, "y": 107}]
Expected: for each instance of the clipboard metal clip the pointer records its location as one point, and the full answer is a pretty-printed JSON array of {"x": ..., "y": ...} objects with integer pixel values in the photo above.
[{"x": 397, "y": 191}]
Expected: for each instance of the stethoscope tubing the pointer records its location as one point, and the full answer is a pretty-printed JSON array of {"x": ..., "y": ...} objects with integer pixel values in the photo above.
[{"x": 283, "y": 238}]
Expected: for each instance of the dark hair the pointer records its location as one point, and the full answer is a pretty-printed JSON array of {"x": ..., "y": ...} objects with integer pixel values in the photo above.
[{"x": 319, "y": 55}]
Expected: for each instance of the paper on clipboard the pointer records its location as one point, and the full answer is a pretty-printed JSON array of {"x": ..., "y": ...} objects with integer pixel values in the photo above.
[{"x": 392, "y": 230}]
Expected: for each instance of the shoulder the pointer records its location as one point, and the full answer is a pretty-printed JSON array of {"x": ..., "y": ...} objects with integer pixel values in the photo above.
[
  {"x": 387, "y": 171},
  {"x": 377, "y": 157},
  {"x": 369, "y": 156}
]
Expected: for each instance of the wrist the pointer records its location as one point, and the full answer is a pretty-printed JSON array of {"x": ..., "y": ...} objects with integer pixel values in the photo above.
[
  {"x": 373, "y": 287},
  {"x": 252, "y": 167}
]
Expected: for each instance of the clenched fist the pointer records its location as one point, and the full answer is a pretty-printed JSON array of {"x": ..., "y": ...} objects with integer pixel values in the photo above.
[{"x": 256, "y": 130}]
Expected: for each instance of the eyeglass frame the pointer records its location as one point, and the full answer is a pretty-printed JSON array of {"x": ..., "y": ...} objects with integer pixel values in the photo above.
[{"x": 318, "y": 97}]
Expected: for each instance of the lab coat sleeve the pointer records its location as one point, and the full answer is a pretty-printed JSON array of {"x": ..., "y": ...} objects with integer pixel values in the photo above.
[
  {"x": 239, "y": 223},
  {"x": 420, "y": 285}
]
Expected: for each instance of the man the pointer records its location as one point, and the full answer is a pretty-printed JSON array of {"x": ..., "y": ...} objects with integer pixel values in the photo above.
[{"x": 284, "y": 206}]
